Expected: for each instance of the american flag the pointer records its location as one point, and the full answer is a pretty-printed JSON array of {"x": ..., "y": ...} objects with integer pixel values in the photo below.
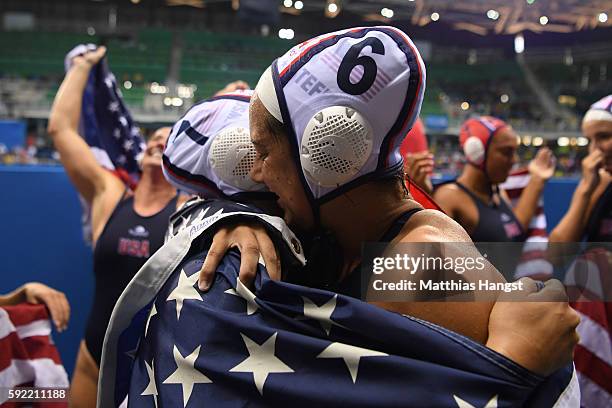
[
  {"x": 107, "y": 127},
  {"x": 533, "y": 262},
  {"x": 169, "y": 344},
  {"x": 28, "y": 356},
  {"x": 106, "y": 123},
  {"x": 589, "y": 283}
]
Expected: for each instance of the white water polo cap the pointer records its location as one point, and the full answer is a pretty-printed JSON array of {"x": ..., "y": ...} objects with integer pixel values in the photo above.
[
  {"x": 600, "y": 110},
  {"x": 209, "y": 150},
  {"x": 346, "y": 99}
]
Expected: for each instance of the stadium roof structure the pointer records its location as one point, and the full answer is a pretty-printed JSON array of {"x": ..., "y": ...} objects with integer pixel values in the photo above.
[{"x": 483, "y": 17}]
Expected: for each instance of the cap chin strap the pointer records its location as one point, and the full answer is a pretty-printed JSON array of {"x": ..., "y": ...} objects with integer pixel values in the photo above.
[{"x": 267, "y": 94}]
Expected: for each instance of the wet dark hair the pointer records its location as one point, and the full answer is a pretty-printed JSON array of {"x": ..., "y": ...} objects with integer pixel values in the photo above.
[{"x": 274, "y": 126}]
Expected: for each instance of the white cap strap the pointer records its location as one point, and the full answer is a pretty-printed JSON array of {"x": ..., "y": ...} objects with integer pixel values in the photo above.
[{"x": 267, "y": 94}]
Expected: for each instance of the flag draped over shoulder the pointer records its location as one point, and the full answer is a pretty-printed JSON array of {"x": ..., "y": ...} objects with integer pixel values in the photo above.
[
  {"x": 533, "y": 262},
  {"x": 106, "y": 123},
  {"x": 28, "y": 356},
  {"x": 589, "y": 284},
  {"x": 169, "y": 344}
]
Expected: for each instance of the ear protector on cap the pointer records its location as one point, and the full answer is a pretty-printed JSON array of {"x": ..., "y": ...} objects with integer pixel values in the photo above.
[
  {"x": 475, "y": 137},
  {"x": 209, "y": 151},
  {"x": 474, "y": 150},
  {"x": 336, "y": 144},
  {"x": 231, "y": 157}
]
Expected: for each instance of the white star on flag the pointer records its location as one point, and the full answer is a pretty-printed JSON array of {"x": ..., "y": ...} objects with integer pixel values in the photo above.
[
  {"x": 132, "y": 353},
  {"x": 185, "y": 223},
  {"x": 463, "y": 404},
  {"x": 200, "y": 216},
  {"x": 244, "y": 292},
  {"x": 151, "y": 314},
  {"x": 113, "y": 106},
  {"x": 117, "y": 133},
  {"x": 127, "y": 145},
  {"x": 184, "y": 291},
  {"x": 321, "y": 313},
  {"x": 121, "y": 159},
  {"x": 109, "y": 81},
  {"x": 261, "y": 361},
  {"x": 350, "y": 354},
  {"x": 186, "y": 374},
  {"x": 123, "y": 120},
  {"x": 151, "y": 387},
  {"x": 134, "y": 131}
]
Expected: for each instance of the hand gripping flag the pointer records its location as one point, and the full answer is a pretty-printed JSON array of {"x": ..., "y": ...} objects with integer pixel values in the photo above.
[
  {"x": 169, "y": 344},
  {"x": 107, "y": 127},
  {"x": 106, "y": 123},
  {"x": 28, "y": 357}
]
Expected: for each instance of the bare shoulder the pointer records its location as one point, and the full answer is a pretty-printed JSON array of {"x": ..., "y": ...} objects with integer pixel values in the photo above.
[
  {"x": 447, "y": 190},
  {"x": 433, "y": 226},
  {"x": 105, "y": 202},
  {"x": 446, "y": 196}
]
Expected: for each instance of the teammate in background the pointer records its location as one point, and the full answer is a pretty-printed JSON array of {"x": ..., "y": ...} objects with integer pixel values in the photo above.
[
  {"x": 345, "y": 175},
  {"x": 127, "y": 226},
  {"x": 590, "y": 213},
  {"x": 589, "y": 218},
  {"x": 474, "y": 199},
  {"x": 418, "y": 160},
  {"x": 34, "y": 292}
]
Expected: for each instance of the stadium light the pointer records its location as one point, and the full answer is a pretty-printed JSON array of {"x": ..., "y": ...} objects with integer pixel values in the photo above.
[
  {"x": 91, "y": 30},
  {"x": 602, "y": 17},
  {"x": 538, "y": 141},
  {"x": 127, "y": 85},
  {"x": 288, "y": 3},
  {"x": 299, "y": 5},
  {"x": 465, "y": 105},
  {"x": 582, "y": 141},
  {"x": 493, "y": 14},
  {"x": 527, "y": 140},
  {"x": 543, "y": 20},
  {"x": 286, "y": 33},
  {"x": 435, "y": 16},
  {"x": 519, "y": 43},
  {"x": 563, "y": 141},
  {"x": 504, "y": 98},
  {"x": 386, "y": 12},
  {"x": 332, "y": 7}
]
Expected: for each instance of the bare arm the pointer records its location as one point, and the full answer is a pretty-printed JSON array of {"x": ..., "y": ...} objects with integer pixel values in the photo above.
[
  {"x": 82, "y": 167},
  {"x": 534, "y": 328},
  {"x": 35, "y": 292},
  {"x": 469, "y": 318},
  {"x": 572, "y": 225},
  {"x": 541, "y": 169}
]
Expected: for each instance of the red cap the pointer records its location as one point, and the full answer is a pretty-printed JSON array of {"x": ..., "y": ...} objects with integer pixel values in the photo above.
[
  {"x": 482, "y": 128},
  {"x": 416, "y": 140}
]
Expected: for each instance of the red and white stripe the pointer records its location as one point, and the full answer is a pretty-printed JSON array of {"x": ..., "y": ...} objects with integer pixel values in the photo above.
[
  {"x": 533, "y": 261},
  {"x": 588, "y": 282},
  {"x": 28, "y": 356}
]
